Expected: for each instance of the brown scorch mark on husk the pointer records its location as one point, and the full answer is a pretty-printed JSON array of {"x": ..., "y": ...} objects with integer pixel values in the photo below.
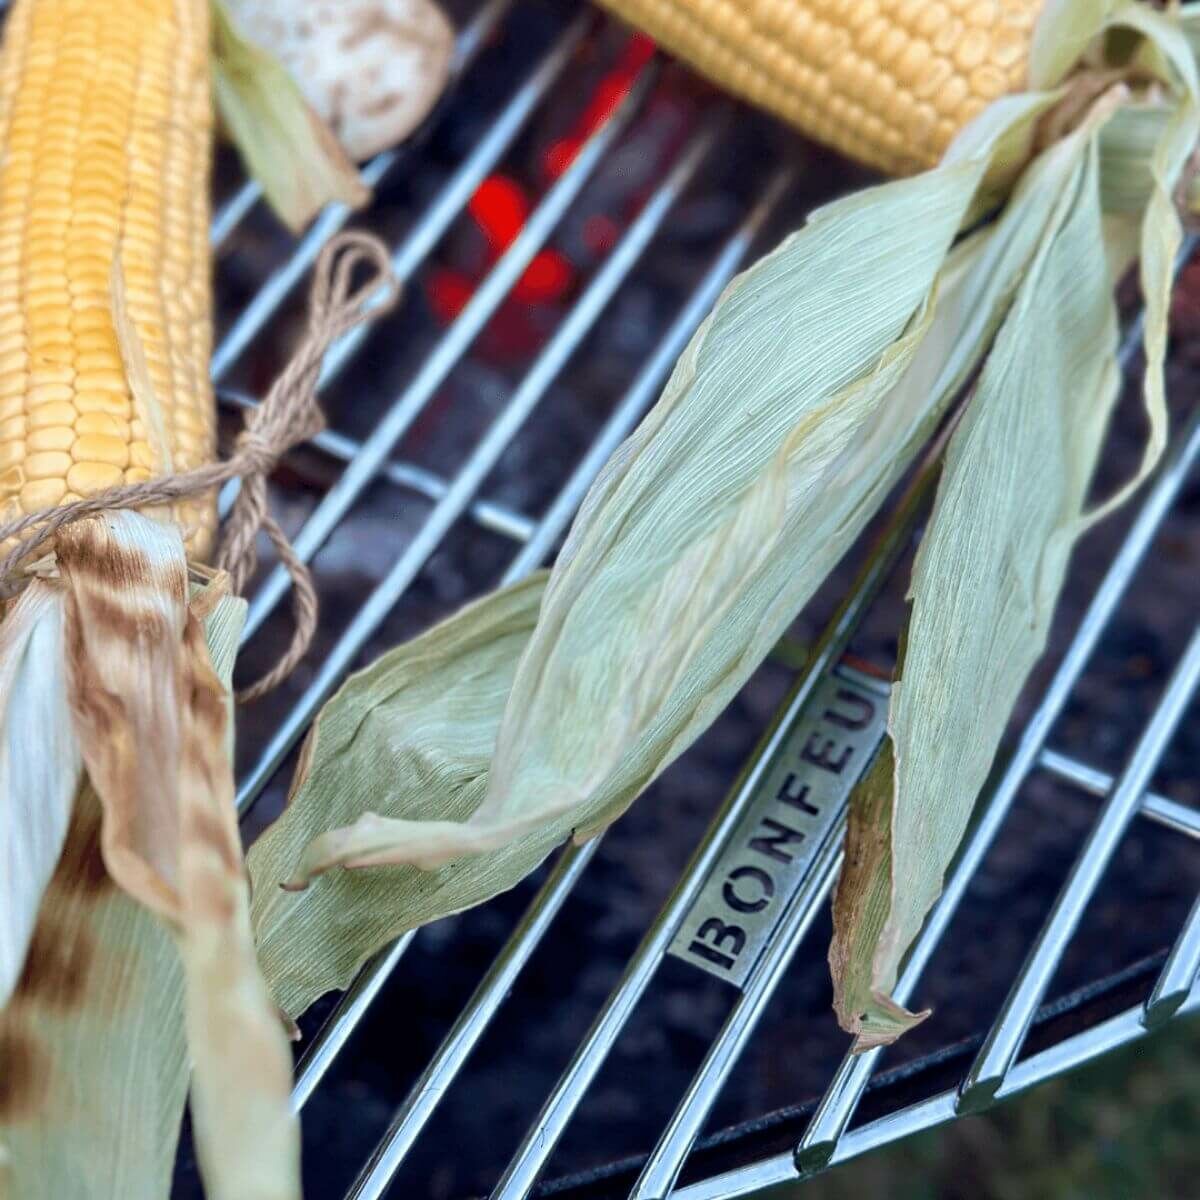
[
  {"x": 61, "y": 953},
  {"x": 108, "y": 570},
  {"x": 81, "y": 866},
  {"x": 57, "y": 965},
  {"x": 23, "y": 1080}
]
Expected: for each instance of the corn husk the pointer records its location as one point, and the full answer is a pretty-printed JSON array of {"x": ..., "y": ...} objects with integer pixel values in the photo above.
[
  {"x": 152, "y": 719},
  {"x": 284, "y": 143},
  {"x": 1011, "y": 504},
  {"x": 370, "y": 69},
  {"x": 37, "y": 791},
  {"x": 150, "y": 710},
  {"x": 142, "y": 948},
  {"x": 774, "y": 443}
]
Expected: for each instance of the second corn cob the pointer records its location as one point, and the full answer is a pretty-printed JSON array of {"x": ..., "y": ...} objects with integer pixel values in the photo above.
[{"x": 886, "y": 82}]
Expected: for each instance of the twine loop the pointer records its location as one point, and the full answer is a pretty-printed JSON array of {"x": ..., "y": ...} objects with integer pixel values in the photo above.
[{"x": 288, "y": 416}]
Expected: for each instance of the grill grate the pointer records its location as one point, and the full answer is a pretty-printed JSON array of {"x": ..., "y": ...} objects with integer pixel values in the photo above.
[{"x": 455, "y": 497}]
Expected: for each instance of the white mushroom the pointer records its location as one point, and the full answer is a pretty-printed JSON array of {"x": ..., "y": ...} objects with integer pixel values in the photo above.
[{"x": 371, "y": 68}]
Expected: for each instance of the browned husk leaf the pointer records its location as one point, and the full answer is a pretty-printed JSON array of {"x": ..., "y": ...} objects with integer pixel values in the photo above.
[
  {"x": 126, "y": 605},
  {"x": 860, "y": 908},
  {"x": 246, "y": 1134},
  {"x": 152, "y": 719}
]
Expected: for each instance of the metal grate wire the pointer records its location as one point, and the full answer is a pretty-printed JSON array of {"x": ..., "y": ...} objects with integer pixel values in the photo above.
[{"x": 996, "y": 1073}]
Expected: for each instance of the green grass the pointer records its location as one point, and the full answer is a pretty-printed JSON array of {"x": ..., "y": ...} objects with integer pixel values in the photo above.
[{"x": 1126, "y": 1128}]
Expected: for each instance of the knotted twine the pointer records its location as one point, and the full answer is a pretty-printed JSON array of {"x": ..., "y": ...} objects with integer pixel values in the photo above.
[{"x": 287, "y": 416}]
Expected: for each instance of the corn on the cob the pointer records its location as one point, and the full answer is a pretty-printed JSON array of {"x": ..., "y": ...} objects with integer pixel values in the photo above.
[
  {"x": 887, "y": 82},
  {"x": 105, "y": 126}
]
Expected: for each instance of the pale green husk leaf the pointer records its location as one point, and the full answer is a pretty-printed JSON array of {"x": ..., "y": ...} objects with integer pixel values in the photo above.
[
  {"x": 36, "y": 789},
  {"x": 1010, "y": 506},
  {"x": 409, "y": 737},
  {"x": 797, "y": 369},
  {"x": 781, "y": 430}
]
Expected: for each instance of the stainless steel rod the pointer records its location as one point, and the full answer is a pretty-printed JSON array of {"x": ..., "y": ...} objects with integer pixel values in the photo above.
[
  {"x": 479, "y": 1011},
  {"x": 820, "y": 1139},
  {"x": 343, "y": 1021},
  {"x": 233, "y": 212},
  {"x": 451, "y": 347},
  {"x": 560, "y": 1105},
  {"x": 1160, "y": 809},
  {"x": 1004, "y": 1040},
  {"x": 1179, "y": 974}
]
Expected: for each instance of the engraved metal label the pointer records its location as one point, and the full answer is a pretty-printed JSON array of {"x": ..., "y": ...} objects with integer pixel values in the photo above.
[{"x": 795, "y": 807}]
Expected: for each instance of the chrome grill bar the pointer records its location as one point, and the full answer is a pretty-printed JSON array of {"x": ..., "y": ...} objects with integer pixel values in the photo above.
[
  {"x": 449, "y": 351},
  {"x": 1179, "y": 974},
  {"x": 837, "y": 1106},
  {"x": 487, "y": 999},
  {"x": 1000, "y": 1048}
]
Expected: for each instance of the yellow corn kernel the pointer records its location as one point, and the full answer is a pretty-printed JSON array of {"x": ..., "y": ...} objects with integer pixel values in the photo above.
[
  {"x": 52, "y": 437},
  {"x": 85, "y": 477},
  {"x": 42, "y": 493},
  {"x": 887, "y": 82},
  {"x": 101, "y": 423},
  {"x": 106, "y": 121},
  {"x": 101, "y": 448},
  {"x": 47, "y": 464}
]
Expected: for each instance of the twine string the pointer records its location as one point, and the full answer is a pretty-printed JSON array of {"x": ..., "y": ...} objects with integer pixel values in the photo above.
[{"x": 288, "y": 415}]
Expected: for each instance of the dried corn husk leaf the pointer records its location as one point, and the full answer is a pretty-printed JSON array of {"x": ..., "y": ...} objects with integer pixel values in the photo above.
[
  {"x": 778, "y": 436},
  {"x": 371, "y": 69},
  {"x": 412, "y": 736},
  {"x": 1009, "y": 509},
  {"x": 247, "y": 1137},
  {"x": 126, "y": 583},
  {"x": 796, "y": 369},
  {"x": 861, "y": 906},
  {"x": 285, "y": 144},
  {"x": 36, "y": 788},
  {"x": 152, "y": 719}
]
